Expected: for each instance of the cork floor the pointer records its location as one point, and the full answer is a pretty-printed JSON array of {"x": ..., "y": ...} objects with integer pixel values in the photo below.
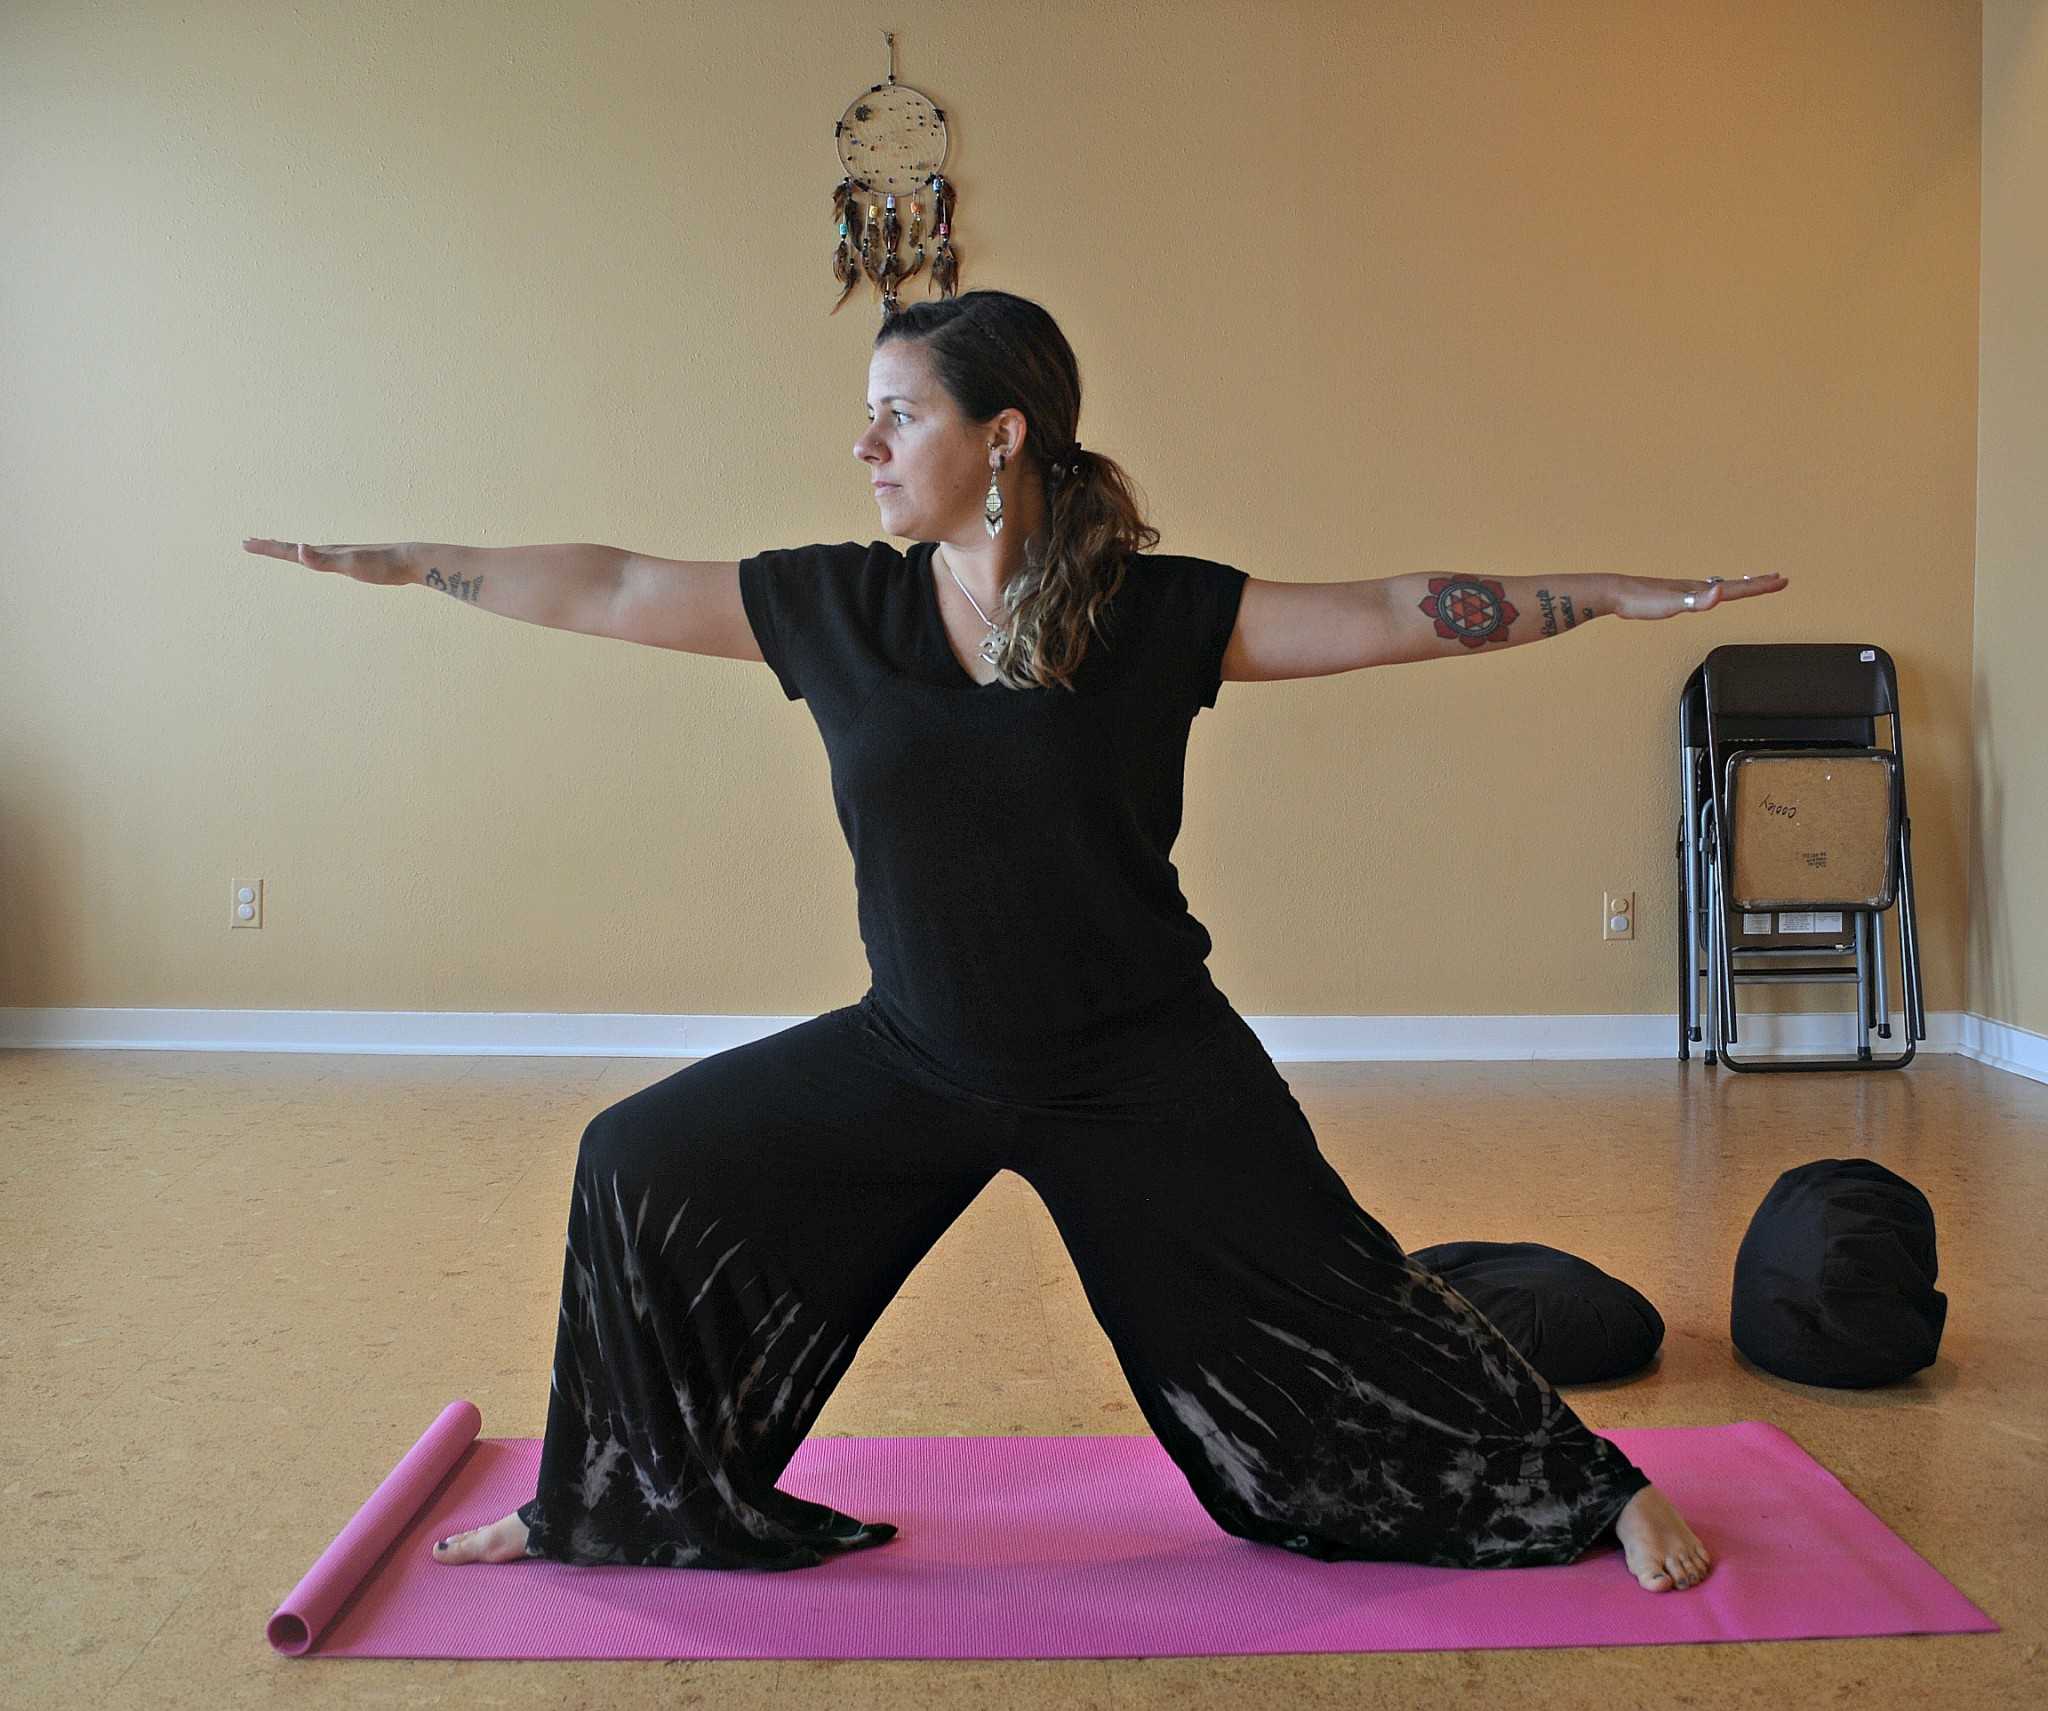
[{"x": 238, "y": 1286}]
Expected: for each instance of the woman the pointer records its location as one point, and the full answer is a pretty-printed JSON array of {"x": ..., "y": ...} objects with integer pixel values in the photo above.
[{"x": 1006, "y": 710}]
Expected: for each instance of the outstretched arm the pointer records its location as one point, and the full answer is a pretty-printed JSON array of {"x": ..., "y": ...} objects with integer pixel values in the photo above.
[
  {"x": 1455, "y": 615},
  {"x": 1312, "y": 629}
]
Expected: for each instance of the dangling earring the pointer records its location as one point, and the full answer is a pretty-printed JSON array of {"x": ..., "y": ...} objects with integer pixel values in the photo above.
[{"x": 992, "y": 506}]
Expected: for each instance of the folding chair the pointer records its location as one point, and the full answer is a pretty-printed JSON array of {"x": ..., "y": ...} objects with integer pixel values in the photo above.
[{"x": 1794, "y": 841}]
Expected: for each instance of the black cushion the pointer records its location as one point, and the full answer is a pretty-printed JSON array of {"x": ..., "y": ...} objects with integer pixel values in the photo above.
[
  {"x": 1834, "y": 1283},
  {"x": 1572, "y": 1322}
]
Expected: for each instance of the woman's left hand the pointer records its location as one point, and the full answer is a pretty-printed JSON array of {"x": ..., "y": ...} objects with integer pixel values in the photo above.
[{"x": 1659, "y": 597}]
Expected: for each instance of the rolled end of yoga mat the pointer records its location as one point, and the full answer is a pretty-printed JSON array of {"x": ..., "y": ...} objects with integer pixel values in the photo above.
[{"x": 356, "y": 1548}]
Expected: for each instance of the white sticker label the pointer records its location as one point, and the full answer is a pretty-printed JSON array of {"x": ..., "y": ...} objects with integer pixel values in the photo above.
[
  {"x": 1867, "y": 655},
  {"x": 1756, "y": 923},
  {"x": 1813, "y": 921}
]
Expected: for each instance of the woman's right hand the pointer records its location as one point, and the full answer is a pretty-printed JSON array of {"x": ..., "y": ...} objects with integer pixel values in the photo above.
[{"x": 388, "y": 566}]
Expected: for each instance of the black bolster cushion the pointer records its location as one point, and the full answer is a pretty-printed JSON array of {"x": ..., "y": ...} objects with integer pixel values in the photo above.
[
  {"x": 1834, "y": 1283},
  {"x": 1572, "y": 1322}
]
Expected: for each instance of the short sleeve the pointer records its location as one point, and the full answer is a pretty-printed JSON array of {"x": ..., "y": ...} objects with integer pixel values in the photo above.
[
  {"x": 772, "y": 587},
  {"x": 1211, "y": 600},
  {"x": 800, "y": 603}
]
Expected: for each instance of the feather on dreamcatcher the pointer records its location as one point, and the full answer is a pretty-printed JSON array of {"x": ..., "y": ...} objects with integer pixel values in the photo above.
[{"x": 892, "y": 142}]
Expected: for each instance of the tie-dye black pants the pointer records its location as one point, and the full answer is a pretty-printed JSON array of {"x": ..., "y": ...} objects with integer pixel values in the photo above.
[{"x": 736, "y": 1229}]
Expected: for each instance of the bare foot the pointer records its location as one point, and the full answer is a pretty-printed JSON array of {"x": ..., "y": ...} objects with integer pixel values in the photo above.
[
  {"x": 503, "y": 1541},
  {"x": 1662, "y": 1551}
]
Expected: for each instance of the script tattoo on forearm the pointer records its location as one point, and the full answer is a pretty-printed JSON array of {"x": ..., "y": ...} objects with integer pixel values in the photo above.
[
  {"x": 1561, "y": 608},
  {"x": 470, "y": 588}
]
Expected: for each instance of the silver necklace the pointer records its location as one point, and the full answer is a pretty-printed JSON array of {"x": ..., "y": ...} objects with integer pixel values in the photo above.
[{"x": 992, "y": 643}]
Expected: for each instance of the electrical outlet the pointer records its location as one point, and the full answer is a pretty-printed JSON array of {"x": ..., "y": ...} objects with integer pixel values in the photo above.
[
  {"x": 1618, "y": 915},
  {"x": 248, "y": 903}
]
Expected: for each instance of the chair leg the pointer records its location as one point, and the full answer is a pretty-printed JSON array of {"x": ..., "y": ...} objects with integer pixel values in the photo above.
[
  {"x": 1909, "y": 939},
  {"x": 1703, "y": 939},
  {"x": 1884, "y": 1006},
  {"x": 1909, "y": 992},
  {"x": 1696, "y": 922},
  {"x": 1717, "y": 951},
  {"x": 1731, "y": 1029},
  {"x": 1684, "y": 949},
  {"x": 1862, "y": 984}
]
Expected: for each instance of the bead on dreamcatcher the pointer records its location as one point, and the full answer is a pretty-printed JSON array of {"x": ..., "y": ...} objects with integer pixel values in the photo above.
[{"x": 892, "y": 142}]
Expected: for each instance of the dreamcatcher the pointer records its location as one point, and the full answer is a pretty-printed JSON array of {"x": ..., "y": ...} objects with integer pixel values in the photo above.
[{"x": 892, "y": 142}]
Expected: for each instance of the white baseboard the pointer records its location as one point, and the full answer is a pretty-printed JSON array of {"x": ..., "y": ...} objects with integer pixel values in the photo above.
[
  {"x": 2001, "y": 1045},
  {"x": 1290, "y": 1039}
]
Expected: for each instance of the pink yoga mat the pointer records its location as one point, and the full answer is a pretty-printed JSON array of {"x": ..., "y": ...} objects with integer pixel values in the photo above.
[{"x": 1094, "y": 1547}]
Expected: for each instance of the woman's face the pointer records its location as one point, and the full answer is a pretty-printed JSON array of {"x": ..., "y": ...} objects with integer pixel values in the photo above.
[{"x": 930, "y": 466}]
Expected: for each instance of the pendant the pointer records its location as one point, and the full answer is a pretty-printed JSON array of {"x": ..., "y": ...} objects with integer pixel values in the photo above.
[{"x": 992, "y": 646}]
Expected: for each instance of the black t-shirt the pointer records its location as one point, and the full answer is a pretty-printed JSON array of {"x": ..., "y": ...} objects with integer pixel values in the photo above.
[{"x": 1022, "y": 920}]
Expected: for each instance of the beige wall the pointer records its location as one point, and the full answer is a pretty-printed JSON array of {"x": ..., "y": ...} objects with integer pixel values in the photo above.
[
  {"x": 2008, "y": 921},
  {"x": 1358, "y": 291}
]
